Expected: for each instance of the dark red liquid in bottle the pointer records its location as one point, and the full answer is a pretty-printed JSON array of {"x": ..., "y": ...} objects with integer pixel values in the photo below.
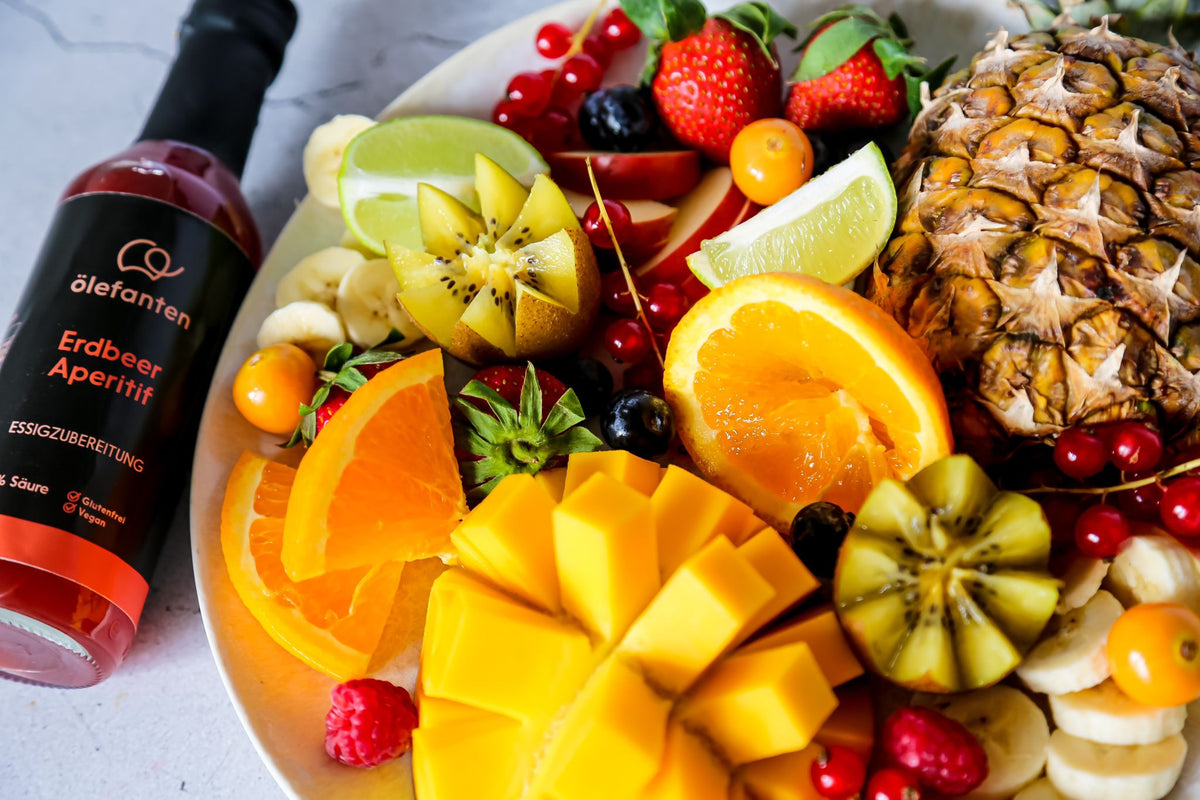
[{"x": 110, "y": 324}]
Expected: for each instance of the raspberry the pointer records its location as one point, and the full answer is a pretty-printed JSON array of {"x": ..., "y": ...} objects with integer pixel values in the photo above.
[
  {"x": 942, "y": 752},
  {"x": 371, "y": 722}
]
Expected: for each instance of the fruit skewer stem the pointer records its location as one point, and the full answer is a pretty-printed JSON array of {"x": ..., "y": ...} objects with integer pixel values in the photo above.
[
  {"x": 582, "y": 33},
  {"x": 633, "y": 292},
  {"x": 1178, "y": 469}
]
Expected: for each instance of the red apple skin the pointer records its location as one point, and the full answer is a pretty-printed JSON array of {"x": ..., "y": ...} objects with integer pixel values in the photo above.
[
  {"x": 714, "y": 207},
  {"x": 628, "y": 176},
  {"x": 651, "y": 219}
]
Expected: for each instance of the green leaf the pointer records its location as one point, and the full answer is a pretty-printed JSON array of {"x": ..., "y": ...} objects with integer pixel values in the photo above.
[
  {"x": 836, "y": 46},
  {"x": 894, "y": 57},
  {"x": 761, "y": 22},
  {"x": 350, "y": 379},
  {"x": 576, "y": 440},
  {"x": 666, "y": 20},
  {"x": 320, "y": 396},
  {"x": 934, "y": 77},
  {"x": 898, "y": 26},
  {"x": 483, "y": 423},
  {"x": 566, "y": 413},
  {"x": 475, "y": 472},
  {"x": 297, "y": 436},
  {"x": 394, "y": 337},
  {"x": 531, "y": 397},
  {"x": 468, "y": 440},
  {"x": 501, "y": 408},
  {"x": 1040, "y": 15},
  {"x": 373, "y": 357},
  {"x": 477, "y": 494},
  {"x": 335, "y": 359}
]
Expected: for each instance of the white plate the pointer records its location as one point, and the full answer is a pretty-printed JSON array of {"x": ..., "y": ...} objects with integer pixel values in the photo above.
[{"x": 281, "y": 702}]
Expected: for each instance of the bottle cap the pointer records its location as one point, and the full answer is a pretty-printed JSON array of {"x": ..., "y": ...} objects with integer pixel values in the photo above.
[{"x": 272, "y": 22}]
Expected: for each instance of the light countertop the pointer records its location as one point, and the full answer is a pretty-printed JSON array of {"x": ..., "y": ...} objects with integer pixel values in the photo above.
[{"x": 77, "y": 78}]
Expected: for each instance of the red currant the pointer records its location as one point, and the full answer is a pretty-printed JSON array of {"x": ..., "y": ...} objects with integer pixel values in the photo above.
[
  {"x": 529, "y": 92},
  {"x": 1180, "y": 507},
  {"x": 1142, "y": 502},
  {"x": 627, "y": 341},
  {"x": 554, "y": 40},
  {"x": 839, "y": 773},
  {"x": 619, "y": 31},
  {"x": 582, "y": 72},
  {"x": 893, "y": 783},
  {"x": 1100, "y": 531},
  {"x": 665, "y": 306},
  {"x": 1134, "y": 447},
  {"x": 614, "y": 291},
  {"x": 599, "y": 49},
  {"x": 1080, "y": 454},
  {"x": 597, "y": 231},
  {"x": 553, "y": 130}
]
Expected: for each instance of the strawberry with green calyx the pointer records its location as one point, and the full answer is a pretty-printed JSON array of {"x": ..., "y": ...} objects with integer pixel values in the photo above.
[
  {"x": 506, "y": 439},
  {"x": 341, "y": 374},
  {"x": 858, "y": 71},
  {"x": 711, "y": 77}
]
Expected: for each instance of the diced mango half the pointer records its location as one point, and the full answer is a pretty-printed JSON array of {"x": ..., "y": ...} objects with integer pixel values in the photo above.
[
  {"x": 822, "y": 632},
  {"x": 620, "y": 465},
  {"x": 784, "y": 777},
  {"x": 775, "y": 561},
  {"x": 605, "y": 551},
  {"x": 688, "y": 513},
  {"x": 611, "y": 743},
  {"x": 763, "y": 704},
  {"x": 491, "y": 745},
  {"x": 690, "y": 770},
  {"x": 477, "y": 652},
  {"x": 699, "y": 613},
  {"x": 508, "y": 538}
]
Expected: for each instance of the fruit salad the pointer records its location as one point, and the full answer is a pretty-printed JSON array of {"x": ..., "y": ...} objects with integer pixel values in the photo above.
[{"x": 671, "y": 437}]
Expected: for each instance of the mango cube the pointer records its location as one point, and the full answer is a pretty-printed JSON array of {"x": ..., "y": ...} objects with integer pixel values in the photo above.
[
  {"x": 509, "y": 538},
  {"x": 822, "y": 632},
  {"x": 700, "y": 611},
  {"x": 492, "y": 746},
  {"x": 477, "y": 651},
  {"x": 554, "y": 481},
  {"x": 760, "y": 705},
  {"x": 688, "y": 513},
  {"x": 784, "y": 777},
  {"x": 605, "y": 552},
  {"x": 690, "y": 770},
  {"x": 434, "y": 712},
  {"x": 611, "y": 743},
  {"x": 768, "y": 553},
  {"x": 620, "y": 465}
]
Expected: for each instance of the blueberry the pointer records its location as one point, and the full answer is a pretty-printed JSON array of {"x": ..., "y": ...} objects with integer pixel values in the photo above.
[
  {"x": 831, "y": 147},
  {"x": 639, "y": 422},
  {"x": 591, "y": 380},
  {"x": 619, "y": 118},
  {"x": 818, "y": 531}
]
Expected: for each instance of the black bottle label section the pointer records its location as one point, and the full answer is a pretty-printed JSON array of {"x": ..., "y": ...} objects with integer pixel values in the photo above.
[{"x": 105, "y": 367}]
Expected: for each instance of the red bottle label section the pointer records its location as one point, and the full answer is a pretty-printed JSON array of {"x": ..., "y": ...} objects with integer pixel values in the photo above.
[{"x": 103, "y": 374}]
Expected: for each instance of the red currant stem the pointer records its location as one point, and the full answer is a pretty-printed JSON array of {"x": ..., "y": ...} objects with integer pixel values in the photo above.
[
  {"x": 637, "y": 301},
  {"x": 582, "y": 33},
  {"x": 1178, "y": 469}
]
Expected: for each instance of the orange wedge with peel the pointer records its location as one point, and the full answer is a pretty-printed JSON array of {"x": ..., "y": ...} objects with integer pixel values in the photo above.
[
  {"x": 380, "y": 482},
  {"x": 788, "y": 390}
]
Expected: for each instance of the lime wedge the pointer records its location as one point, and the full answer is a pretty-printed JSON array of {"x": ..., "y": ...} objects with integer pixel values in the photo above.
[
  {"x": 383, "y": 165},
  {"x": 831, "y": 228}
]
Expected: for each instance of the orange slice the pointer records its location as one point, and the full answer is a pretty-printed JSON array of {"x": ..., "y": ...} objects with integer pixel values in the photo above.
[
  {"x": 789, "y": 390},
  {"x": 333, "y": 622},
  {"x": 380, "y": 482}
]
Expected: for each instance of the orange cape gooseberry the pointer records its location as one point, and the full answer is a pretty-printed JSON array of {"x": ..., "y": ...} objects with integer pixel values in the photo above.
[{"x": 1154, "y": 654}]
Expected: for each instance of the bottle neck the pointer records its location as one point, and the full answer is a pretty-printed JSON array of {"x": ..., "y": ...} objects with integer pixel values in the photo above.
[{"x": 215, "y": 88}]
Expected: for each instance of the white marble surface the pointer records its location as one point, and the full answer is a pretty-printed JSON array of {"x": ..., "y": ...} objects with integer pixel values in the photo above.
[{"x": 76, "y": 79}]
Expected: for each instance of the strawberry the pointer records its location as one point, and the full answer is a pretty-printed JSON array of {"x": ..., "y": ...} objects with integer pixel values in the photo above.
[
  {"x": 857, "y": 72},
  {"x": 341, "y": 374},
  {"x": 502, "y": 429},
  {"x": 711, "y": 77}
]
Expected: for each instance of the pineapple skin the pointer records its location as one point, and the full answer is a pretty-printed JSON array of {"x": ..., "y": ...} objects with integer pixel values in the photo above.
[{"x": 1046, "y": 246}]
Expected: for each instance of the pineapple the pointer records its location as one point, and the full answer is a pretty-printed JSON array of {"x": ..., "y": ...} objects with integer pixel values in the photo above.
[{"x": 1047, "y": 243}]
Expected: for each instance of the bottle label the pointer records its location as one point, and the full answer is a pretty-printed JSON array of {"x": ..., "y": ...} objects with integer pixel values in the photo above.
[{"x": 103, "y": 374}]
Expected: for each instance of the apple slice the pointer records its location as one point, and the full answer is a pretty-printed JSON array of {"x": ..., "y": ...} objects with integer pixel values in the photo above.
[
  {"x": 712, "y": 208},
  {"x": 652, "y": 222},
  {"x": 628, "y": 176}
]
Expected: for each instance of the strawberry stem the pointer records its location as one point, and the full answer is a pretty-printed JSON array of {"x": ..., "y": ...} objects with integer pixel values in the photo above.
[
  {"x": 1171, "y": 472},
  {"x": 633, "y": 292}
]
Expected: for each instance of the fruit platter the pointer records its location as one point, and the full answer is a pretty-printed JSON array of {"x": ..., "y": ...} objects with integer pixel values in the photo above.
[{"x": 773, "y": 401}]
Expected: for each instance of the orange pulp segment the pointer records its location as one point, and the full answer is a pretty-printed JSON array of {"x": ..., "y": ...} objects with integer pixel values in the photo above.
[
  {"x": 332, "y": 622},
  {"x": 789, "y": 390},
  {"x": 380, "y": 482}
]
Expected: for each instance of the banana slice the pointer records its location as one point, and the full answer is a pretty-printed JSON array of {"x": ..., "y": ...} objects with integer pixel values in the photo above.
[
  {"x": 1081, "y": 579},
  {"x": 1107, "y": 715},
  {"x": 1083, "y": 770},
  {"x": 1041, "y": 789},
  {"x": 1155, "y": 569},
  {"x": 366, "y": 299},
  {"x": 1073, "y": 657},
  {"x": 1012, "y": 731},
  {"x": 323, "y": 155},
  {"x": 314, "y": 327},
  {"x": 317, "y": 277}
]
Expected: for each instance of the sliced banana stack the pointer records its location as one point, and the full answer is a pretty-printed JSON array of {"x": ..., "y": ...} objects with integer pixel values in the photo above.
[
  {"x": 317, "y": 277},
  {"x": 1041, "y": 789},
  {"x": 322, "y": 159},
  {"x": 1012, "y": 731},
  {"x": 313, "y": 327},
  {"x": 1106, "y": 715},
  {"x": 1155, "y": 569},
  {"x": 1082, "y": 578},
  {"x": 1084, "y": 770},
  {"x": 1074, "y": 656},
  {"x": 367, "y": 302}
]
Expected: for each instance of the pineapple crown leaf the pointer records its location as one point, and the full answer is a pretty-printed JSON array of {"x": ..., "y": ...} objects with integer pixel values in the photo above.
[
  {"x": 835, "y": 37},
  {"x": 339, "y": 369},
  {"x": 663, "y": 21},
  {"x": 512, "y": 440},
  {"x": 1153, "y": 20}
]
